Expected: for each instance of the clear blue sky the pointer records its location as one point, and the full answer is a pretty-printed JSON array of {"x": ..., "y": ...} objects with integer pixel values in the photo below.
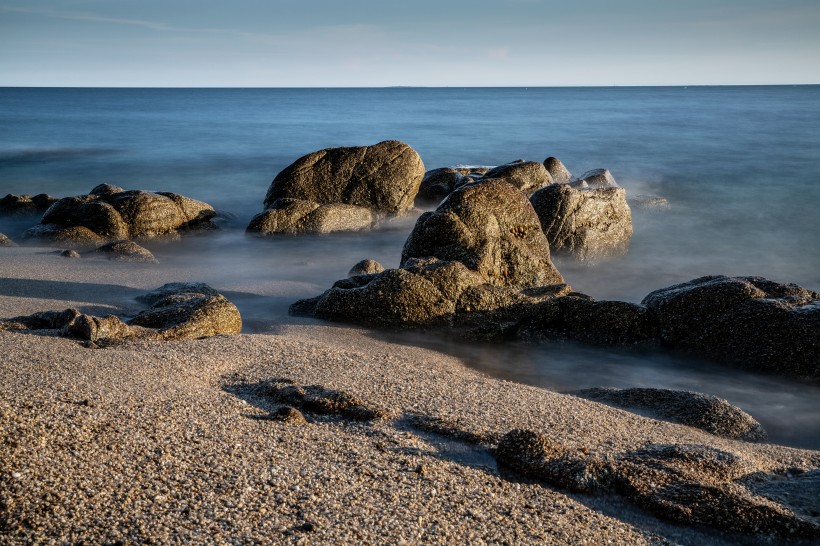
[{"x": 329, "y": 43}]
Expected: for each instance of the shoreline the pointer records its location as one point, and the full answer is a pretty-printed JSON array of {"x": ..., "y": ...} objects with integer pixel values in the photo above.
[{"x": 173, "y": 441}]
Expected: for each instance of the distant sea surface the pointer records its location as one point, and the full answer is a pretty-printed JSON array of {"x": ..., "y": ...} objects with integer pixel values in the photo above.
[{"x": 740, "y": 167}]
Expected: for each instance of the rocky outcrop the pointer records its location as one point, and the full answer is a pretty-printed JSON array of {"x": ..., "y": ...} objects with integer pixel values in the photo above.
[
  {"x": 527, "y": 176},
  {"x": 693, "y": 409},
  {"x": 178, "y": 311},
  {"x": 493, "y": 230},
  {"x": 25, "y": 205},
  {"x": 110, "y": 214},
  {"x": 750, "y": 321},
  {"x": 585, "y": 223},
  {"x": 341, "y": 189},
  {"x": 689, "y": 483},
  {"x": 126, "y": 251},
  {"x": 559, "y": 173}
]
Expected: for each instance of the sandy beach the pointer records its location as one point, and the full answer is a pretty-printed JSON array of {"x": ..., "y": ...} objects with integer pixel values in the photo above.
[{"x": 176, "y": 442}]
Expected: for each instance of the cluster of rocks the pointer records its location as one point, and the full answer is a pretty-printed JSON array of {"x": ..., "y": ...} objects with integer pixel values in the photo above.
[
  {"x": 341, "y": 189},
  {"x": 109, "y": 213},
  {"x": 176, "y": 311},
  {"x": 479, "y": 266},
  {"x": 690, "y": 484},
  {"x": 25, "y": 205}
]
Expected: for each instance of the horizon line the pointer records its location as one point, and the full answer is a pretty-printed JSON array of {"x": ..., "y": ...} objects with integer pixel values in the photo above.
[{"x": 682, "y": 85}]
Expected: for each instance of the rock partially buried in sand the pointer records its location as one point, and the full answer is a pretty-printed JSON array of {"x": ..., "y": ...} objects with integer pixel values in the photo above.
[
  {"x": 25, "y": 205},
  {"x": 178, "y": 311},
  {"x": 693, "y": 409},
  {"x": 341, "y": 189},
  {"x": 492, "y": 229},
  {"x": 109, "y": 214},
  {"x": 586, "y": 223},
  {"x": 749, "y": 321},
  {"x": 127, "y": 251},
  {"x": 323, "y": 401},
  {"x": 682, "y": 483}
]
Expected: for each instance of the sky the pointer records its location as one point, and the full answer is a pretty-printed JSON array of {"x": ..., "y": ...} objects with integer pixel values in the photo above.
[{"x": 376, "y": 43}]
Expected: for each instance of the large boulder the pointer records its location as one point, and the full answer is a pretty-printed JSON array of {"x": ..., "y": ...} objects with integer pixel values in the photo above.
[
  {"x": 585, "y": 223},
  {"x": 381, "y": 179},
  {"x": 693, "y": 409},
  {"x": 749, "y": 321},
  {"x": 110, "y": 214},
  {"x": 25, "y": 205},
  {"x": 491, "y": 228},
  {"x": 527, "y": 176}
]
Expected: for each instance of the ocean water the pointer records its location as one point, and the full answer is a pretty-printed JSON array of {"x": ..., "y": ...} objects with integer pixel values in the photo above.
[{"x": 740, "y": 167}]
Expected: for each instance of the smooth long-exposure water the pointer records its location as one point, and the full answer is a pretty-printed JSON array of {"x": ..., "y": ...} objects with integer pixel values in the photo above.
[{"x": 740, "y": 167}]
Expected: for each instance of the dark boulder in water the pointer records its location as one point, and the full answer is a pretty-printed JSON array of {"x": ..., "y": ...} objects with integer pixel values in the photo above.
[
  {"x": 586, "y": 223},
  {"x": 439, "y": 183},
  {"x": 492, "y": 229},
  {"x": 749, "y": 321},
  {"x": 341, "y": 189},
  {"x": 693, "y": 409},
  {"x": 108, "y": 214},
  {"x": 25, "y": 205}
]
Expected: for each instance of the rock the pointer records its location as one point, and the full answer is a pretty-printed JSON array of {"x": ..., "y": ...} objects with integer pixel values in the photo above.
[
  {"x": 96, "y": 329},
  {"x": 439, "y": 183},
  {"x": 127, "y": 251},
  {"x": 25, "y": 205},
  {"x": 693, "y": 409},
  {"x": 69, "y": 253},
  {"x": 110, "y": 214},
  {"x": 595, "y": 179},
  {"x": 384, "y": 177},
  {"x": 175, "y": 288},
  {"x": 5, "y": 241},
  {"x": 324, "y": 401},
  {"x": 653, "y": 202},
  {"x": 587, "y": 224},
  {"x": 748, "y": 321},
  {"x": 365, "y": 267},
  {"x": 580, "y": 318},
  {"x": 527, "y": 176},
  {"x": 691, "y": 484},
  {"x": 294, "y": 217},
  {"x": 188, "y": 315},
  {"x": 492, "y": 229},
  {"x": 556, "y": 169},
  {"x": 44, "y": 320},
  {"x": 289, "y": 415}
]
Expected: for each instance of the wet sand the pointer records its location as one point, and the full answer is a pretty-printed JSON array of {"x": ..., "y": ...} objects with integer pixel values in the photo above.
[{"x": 175, "y": 442}]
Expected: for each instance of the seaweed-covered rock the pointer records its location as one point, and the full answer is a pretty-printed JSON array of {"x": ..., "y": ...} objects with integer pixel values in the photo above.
[
  {"x": 109, "y": 214},
  {"x": 527, "y": 176},
  {"x": 126, "y": 251},
  {"x": 492, "y": 229},
  {"x": 750, "y": 321},
  {"x": 587, "y": 223},
  {"x": 559, "y": 173},
  {"x": 25, "y": 205},
  {"x": 693, "y": 409}
]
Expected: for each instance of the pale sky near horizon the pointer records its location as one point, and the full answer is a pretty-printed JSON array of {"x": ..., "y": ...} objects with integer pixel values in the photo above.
[{"x": 363, "y": 43}]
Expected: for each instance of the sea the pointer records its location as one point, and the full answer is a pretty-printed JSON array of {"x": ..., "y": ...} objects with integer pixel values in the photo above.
[{"x": 739, "y": 167}]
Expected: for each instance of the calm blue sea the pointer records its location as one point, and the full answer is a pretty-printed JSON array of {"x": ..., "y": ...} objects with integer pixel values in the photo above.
[{"x": 740, "y": 167}]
